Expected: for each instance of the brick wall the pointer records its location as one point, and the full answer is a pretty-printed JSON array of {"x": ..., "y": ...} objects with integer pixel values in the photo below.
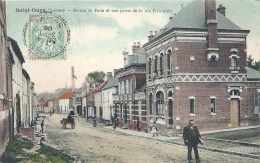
[{"x": 202, "y": 93}]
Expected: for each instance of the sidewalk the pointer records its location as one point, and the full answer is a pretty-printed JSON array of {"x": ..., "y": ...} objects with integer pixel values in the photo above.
[
  {"x": 239, "y": 151},
  {"x": 142, "y": 134},
  {"x": 165, "y": 138}
]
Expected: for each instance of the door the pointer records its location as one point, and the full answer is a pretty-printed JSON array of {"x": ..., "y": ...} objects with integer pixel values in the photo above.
[
  {"x": 235, "y": 112},
  {"x": 18, "y": 113}
]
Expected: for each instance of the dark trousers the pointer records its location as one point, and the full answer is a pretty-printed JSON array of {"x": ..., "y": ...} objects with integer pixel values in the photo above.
[{"x": 195, "y": 148}]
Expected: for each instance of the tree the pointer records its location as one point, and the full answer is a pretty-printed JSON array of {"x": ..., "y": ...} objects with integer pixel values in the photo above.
[
  {"x": 253, "y": 64},
  {"x": 97, "y": 77}
]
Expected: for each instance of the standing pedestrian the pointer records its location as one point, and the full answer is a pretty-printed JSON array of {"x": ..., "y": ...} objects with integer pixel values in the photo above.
[
  {"x": 42, "y": 126},
  {"x": 154, "y": 129},
  {"x": 192, "y": 138}
]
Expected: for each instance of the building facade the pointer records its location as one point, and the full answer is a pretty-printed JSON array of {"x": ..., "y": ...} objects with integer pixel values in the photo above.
[
  {"x": 25, "y": 112},
  {"x": 6, "y": 61},
  {"x": 107, "y": 93},
  {"x": 16, "y": 82},
  {"x": 66, "y": 102},
  {"x": 196, "y": 69},
  {"x": 130, "y": 102},
  {"x": 98, "y": 101}
]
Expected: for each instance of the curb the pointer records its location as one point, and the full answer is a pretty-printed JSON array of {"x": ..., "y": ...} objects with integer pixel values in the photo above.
[{"x": 236, "y": 142}]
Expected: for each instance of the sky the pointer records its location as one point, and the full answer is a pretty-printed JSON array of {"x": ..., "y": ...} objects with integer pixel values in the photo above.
[{"x": 99, "y": 38}]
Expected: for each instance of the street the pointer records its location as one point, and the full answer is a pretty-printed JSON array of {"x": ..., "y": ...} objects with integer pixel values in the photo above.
[{"x": 96, "y": 144}]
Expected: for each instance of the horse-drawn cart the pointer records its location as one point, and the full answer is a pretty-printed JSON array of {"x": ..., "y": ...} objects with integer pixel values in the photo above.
[
  {"x": 70, "y": 120},
  {"x": 66, "y": 121}
]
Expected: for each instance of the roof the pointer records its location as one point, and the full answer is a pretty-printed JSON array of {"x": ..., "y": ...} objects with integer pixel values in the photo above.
[
  {"x": 139, "y": 57},
  {"x": 193, "y": 16},
  {"x": 113, "y": 82},
  {"x": 67, "y": 95},
  {"x": 17, "y": 50},
  {"x": 25, "y": 74},
  {"x": 102, "y": 85},
  {"x": 42, "y": 102},
  {"x": 90, "y": 92},
  {"x": 59, "y": 91},
  {"x": 252, "y": 73}
]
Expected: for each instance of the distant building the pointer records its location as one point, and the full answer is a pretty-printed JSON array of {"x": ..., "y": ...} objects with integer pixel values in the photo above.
[
  {"x": 107, "y": 99},
  {"x": 98, "y": 99},
  {"x": 55, "y": 97},
  {"x": 66, "y": 102},
  {"x": 130, "y": 102}
]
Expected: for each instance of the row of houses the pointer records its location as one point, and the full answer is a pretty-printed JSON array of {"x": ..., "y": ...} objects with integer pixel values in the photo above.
[
  {"x": 17, "y": 97},
  {"x": 193, "y": 68}
]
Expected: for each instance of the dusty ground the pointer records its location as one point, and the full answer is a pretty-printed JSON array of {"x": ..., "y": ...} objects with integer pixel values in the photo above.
[{"x": 99, "y": 145}]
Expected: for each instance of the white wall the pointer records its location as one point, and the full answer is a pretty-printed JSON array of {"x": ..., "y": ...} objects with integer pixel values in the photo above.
[
  {"x": 107, "y": 102},
  {"x": 64, "y": 105},
  {"x": 25, "y": 107},
  {"x": 16, "y": 83}
]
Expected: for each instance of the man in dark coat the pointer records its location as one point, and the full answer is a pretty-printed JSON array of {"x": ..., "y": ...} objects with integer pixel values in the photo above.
[{"x": 192, "y": 138}]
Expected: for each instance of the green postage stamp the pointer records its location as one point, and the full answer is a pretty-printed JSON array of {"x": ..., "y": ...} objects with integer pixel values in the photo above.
[{"x": 46, "y": 36}]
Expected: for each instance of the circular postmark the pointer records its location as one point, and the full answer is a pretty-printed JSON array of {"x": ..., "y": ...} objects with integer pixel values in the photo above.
[{"x": 46, "y": 36}]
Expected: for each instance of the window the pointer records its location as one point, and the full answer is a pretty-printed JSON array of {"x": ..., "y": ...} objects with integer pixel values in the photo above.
[
  {"x": 234, "y": 60},
  {"x": 125, "y": 87},
  {"x": 155, "y": 65},
  {"x": 140, "y": 110},
  {"x": 234, "y": 93},
  {"x": 192, "y": 105},
  {"x": 257, "y": 102},
  {"x": 150, "y": 67},
  {"x": 151, "y": 103},
  {"x": 130, "y": 86},
  {"x": 234, "y": 63},
  {"x": 213, "y": 105},
  {"x": 130, "y": 110},
  {"x": 169, "y": 62},
  {"x": 159, "y": 103},
  {"x": 161, "y": 64}
]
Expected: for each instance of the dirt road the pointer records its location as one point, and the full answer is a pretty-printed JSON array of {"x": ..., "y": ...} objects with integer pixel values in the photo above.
[{"x": 100, "y": 145}]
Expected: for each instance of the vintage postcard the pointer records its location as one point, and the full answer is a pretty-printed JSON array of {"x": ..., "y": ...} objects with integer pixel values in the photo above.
[{"x": 130, "y": 81}]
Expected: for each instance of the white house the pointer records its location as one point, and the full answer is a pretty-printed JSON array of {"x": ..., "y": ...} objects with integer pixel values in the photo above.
[
  {"x": 66, "y": 102},
  {"x": 107, "y": 99},
  {"x": 25, "y": 113},
  {"x": 17, "y": 82}
]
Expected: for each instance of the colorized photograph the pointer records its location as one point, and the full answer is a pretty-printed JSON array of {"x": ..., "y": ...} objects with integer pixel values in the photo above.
[{"x": 120, "y": 81}]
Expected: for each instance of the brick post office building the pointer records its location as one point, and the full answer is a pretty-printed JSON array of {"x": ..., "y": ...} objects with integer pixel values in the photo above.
[{"x": 196, "y": 69}]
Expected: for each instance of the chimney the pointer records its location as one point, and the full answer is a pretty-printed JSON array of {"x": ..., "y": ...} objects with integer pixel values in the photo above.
[
  {"x": 125, "y": 54},
  {"x": 109, "y": 75},
  {"x": 211, "y": 23},
  {"x": 72, "y": 78},
  {"x": 221, "y": 9},
  {"x": 115, "y": 71},
  {"x": 150, "y": 37},
  {"x": 135, "y": 47}
]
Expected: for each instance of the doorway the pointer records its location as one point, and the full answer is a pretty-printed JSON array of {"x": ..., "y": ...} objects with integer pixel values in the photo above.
[{"x": 235, "y": 112}]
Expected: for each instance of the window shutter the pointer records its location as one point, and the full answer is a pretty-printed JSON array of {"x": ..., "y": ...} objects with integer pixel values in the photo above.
[{"x": 256, "y": 103}]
